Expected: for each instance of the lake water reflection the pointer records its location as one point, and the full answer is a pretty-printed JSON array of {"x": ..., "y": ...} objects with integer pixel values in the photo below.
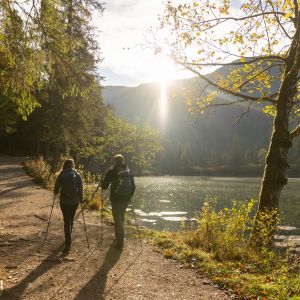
[{"x": 161, "y": 202}]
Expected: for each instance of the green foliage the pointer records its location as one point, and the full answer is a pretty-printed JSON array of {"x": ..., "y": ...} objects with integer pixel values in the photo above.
[
  {"x": 69, "y": 117},
  {"x": 255, "y": 37},
  {"x": 91, "y": 199},
  {"x": 71, "y": 92},
  {"x": 137, "y": 142},
  {"x": 262, "y": 40},
  {"x": 19, "y": 69},
  {"x": 220, "y": 249},
  {"x": 224, "y": 232},
  {"x": 39, "y": 169}
]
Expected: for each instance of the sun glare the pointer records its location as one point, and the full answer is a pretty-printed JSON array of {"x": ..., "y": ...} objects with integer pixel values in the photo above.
[
  {"x": 163, "y": 70},
  {"x": 163, "y": 104}
]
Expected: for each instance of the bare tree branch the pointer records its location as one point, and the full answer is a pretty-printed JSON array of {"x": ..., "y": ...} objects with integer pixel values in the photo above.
[
  {"x": 244, "y": 113},
  {"x": 238, "y": 63},
  {"x": 279, "y": 22},
  {"x": 239, "y": 95},
  {"x": 295, "y": 132},
  {"x": 214, "y": 105},
  {"x": 219, "y": 20}
]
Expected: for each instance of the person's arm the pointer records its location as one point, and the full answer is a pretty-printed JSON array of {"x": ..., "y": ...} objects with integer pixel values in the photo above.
[
  {"x": 132, "y": 185},
  {"x": 105, "y": 182},
  {"x": 57, "y": 185}
]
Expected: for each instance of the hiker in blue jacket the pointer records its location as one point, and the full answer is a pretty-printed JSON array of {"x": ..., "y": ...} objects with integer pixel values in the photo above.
[
  {"x": 122, "y": 189},
  {"x": 69, "y": 185}
]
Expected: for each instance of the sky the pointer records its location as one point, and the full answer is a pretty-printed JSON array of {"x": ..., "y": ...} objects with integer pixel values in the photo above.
[{"x": 124, "y": 31}]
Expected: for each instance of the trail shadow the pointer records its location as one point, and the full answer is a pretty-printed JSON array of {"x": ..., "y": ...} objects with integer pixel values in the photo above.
[
  {"x": 47, "y": 263},
  {"x": 18, "y": 186},
  {"x": 123, "y": 273},
  {"x": 12, "y": 177},
  {"x": 11, "y": 169},
  {"x": 94, "y": 289}
]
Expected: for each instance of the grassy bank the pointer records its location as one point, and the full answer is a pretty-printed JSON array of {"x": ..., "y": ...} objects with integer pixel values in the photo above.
[{"x": 219, "y": 249}]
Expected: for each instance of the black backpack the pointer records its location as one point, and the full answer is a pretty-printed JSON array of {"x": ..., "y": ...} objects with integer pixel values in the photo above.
[
  {"x": 124, "y": 187},
  {"x": 69, "y": 185}
]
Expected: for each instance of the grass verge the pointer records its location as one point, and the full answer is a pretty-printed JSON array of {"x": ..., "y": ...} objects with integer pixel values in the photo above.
[
  {"x": 219, "y": 249},
  {"x": 243, "y": 278}
]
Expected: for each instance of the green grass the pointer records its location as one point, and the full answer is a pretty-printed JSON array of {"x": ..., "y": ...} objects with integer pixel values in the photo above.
[
  {"x": 219, "y": 248},
  {"x": 244, "y": 278}
]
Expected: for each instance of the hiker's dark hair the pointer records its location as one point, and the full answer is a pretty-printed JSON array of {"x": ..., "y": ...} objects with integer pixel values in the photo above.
[{"x": 68, "y": 164}]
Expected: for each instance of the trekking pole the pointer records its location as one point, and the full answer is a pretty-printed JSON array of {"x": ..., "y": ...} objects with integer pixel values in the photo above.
[
  {"x": 49, "y": 220},
  {"x": 101, "y": 217},
  {"x": 96, "y": 190},
  {"x": 86, "y": 235},
  {"x": 136, "y": 224}
]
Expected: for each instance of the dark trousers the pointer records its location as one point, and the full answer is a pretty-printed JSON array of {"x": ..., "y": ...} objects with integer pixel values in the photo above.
[
  {"x": 119, "y": 205},
  {"x": 68, "y": 212}
]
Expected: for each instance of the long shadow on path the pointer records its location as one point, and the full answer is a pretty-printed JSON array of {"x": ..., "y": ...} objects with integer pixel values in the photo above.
[
  {"x": 17, "y": 291},
  {"x": 94, "y": 289}
]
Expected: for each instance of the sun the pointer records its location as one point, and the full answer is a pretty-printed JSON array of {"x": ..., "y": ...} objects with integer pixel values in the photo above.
[
  {"x": 163, "y": 73},
  {"x": 163, "y": 70}
]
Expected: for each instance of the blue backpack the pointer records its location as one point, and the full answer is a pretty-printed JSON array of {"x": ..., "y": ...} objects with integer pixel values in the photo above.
[{"x": 125, "y": 184}]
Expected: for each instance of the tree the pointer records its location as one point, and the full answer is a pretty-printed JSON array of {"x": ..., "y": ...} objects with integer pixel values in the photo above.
[
  {"x": 137, "y": 142},
  {"x": 19, "y": 67},
  {"x": 259, "y": 44},
  {"x": 70, "y": 90}
]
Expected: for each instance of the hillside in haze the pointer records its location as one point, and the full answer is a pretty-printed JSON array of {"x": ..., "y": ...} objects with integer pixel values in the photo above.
[{"x": 210, "y": 144}]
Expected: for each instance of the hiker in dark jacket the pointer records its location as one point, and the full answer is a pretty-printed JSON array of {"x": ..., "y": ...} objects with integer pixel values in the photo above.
[
  {"x": 122, "y": 189},
  {"x": 69, "y": 185}
]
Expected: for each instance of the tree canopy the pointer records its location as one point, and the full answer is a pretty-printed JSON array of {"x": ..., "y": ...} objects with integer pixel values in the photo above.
[
  {"x": 260, "y": 42},
  {"x": 50, "y": 87}
]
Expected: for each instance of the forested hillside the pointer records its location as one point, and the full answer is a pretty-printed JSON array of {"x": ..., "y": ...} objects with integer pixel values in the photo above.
[{"x": 218, "y": 142}]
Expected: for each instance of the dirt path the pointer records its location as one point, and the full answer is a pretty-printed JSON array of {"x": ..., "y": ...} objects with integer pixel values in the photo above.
[{"x": 101, "y": 273}]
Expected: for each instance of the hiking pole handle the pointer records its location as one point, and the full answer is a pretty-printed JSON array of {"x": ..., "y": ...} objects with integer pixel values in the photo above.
[{"x": 49, "y": 220}]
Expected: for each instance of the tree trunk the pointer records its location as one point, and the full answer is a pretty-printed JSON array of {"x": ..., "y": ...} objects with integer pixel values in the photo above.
[
  {"x": 56, "y": 160},
  {"x": 37, "y": 148},
  {"x": 276, "y": 166}
]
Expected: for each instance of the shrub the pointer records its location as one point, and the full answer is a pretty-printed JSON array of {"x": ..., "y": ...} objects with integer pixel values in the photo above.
[
  {"x": 224, "y": 232},
  {"x": 40, "y": 170}
]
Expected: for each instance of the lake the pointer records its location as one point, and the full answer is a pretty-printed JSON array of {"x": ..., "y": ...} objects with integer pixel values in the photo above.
[{"x": 160, "y": 202}]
